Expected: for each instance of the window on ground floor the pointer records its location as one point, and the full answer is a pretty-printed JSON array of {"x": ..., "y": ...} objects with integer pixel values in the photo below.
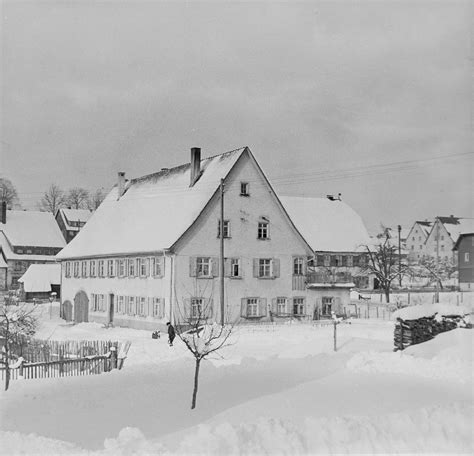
[
  {"x": 327, "y": 303},
  {"x": 299, "y": 307}
]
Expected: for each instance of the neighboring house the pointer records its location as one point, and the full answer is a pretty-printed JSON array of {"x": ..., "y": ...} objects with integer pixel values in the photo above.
[
  {"x": 27, "y": 237},
  {"x": 150, "y": 252},
  {"x": 415, "y": 241},
  {"x": 443, "y": 235},
  {"x": 70, "y": 221},
  {"x": 338, "y": 237},
  {"x": 464, "y": 247},
  {"x": 3, "y": 272},
  {"x": 40, "y": 280}
]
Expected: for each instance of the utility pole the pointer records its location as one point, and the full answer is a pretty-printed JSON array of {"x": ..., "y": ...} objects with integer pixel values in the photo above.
[
  {"x": 437, "y": 260},
  {"x": 399, "y": 256},
  {"x": 221, "y": 261}
]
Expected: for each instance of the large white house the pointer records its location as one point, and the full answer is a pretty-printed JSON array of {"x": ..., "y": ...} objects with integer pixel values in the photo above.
[{"x": 150, "y": 253}]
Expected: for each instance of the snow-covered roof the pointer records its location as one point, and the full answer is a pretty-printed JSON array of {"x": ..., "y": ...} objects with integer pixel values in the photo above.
[
  {"x": 3, "y": 263},
  {"x": 11, "y": 255},
  {"x": 154, "y": 211},
  {"x": 40, "y": 277},
  {"x": 464, "y": 226},
  {"x": 32, "y": 228},
  {"x": 74, "y": 215},
  {"x": 329, "y": 226}
]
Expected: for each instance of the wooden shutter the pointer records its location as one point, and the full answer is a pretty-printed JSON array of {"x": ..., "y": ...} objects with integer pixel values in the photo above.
[
  {"x": 162, "y": 269},
  {"x": 256, "y": 267},
  {"x": 91, "y": 303},
  {"x": 275, "y": 267},
  {"x": 215, "y": 267},
  {"x": 262, "y": 307},
  {"x": 304, "y": 306},
  {"x": 337, "y": 304},
  {"x": 192, "y": 267},
  {"x": 227, "y": 267},
  {"x": 147, "y": 267},
  {"x": 243, "y": 307}
]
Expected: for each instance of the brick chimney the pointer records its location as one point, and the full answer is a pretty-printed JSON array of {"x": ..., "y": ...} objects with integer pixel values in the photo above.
[
  {"x": 4, "y": 212},
  {"x": 195, "y": 165},
  {"x": 120, "y": 184}
]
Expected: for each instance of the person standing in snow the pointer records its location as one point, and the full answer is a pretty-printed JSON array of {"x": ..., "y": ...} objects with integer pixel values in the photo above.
[{"x": 171, "y": 333}]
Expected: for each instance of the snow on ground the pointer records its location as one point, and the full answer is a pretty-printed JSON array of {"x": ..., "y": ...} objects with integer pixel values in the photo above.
[{"x": 278, "y": 390}]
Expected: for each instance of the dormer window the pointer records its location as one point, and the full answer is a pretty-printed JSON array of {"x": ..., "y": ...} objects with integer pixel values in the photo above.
[{"x": 244, "y": 189}]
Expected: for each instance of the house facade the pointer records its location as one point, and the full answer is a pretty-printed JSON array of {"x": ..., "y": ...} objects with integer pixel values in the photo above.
[
  {"x": 70, "y": 221},
  {"x": 415, "y": 241},
  {"x": 464, "y": 247},
  {"x": 441, "y": 239},
  {"x": 161, "y": 260},
  {"x": 26, "y": 237}
]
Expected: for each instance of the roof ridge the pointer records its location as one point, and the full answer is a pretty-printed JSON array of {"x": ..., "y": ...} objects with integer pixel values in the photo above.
[{"x": 165, "y": 171}]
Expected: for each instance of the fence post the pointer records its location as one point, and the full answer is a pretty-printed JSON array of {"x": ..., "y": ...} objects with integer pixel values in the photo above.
[
  {"x": 335, "y": 343},
  {"x": 377, "y": 311},
  {"x": 20, "y": 368},
  {"x": 408, "y": 298},
  {"x": 113, "y": 357}
]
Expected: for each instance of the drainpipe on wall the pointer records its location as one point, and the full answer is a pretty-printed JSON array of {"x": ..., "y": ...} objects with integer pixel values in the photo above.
[{"x": 172, "y": 282}]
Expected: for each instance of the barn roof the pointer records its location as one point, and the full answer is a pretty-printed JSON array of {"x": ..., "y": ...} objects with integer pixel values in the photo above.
[
  {"x": 153, "y": 213},
  {"x": 32, "y": 228},
  {"x": 40, "y": 277},
  {"x": 329, "y": 226}
]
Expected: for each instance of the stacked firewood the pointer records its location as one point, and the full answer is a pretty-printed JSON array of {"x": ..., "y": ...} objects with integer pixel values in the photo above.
[{"x": 411, "y": 332}]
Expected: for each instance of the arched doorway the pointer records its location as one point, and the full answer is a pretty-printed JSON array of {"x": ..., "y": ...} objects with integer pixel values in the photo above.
[
  {"x": 81, "y": 307},
  {"x": 66, "y": 310}
]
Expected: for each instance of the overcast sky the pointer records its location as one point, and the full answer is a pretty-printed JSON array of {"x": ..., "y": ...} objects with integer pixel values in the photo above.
[{"x": 370, "y": 99}]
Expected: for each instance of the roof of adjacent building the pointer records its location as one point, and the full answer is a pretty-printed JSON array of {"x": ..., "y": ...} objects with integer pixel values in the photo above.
[
  {"x": 40, "y": 277},
  {"x": 466, "y": 227},
  {"x": 425, "y": 226},
  {"x": 74, "y": 215},
  {"x": 329, "y": 226},
  {"x": 450, "y": 220},
  {"x": 154, "y": 211},
  {"x": 3, "y": 263},
  {"x": 9, "y": 254},
  {"x": 32, "y": 228}
]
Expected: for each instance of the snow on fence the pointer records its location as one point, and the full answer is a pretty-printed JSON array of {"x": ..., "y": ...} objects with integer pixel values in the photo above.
[{"x": 46, "y": 359}]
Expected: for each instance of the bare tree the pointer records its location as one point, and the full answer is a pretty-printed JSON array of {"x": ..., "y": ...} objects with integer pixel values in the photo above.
[
  {"x": 8, "y": 193},
  {"x": 52, "y": 200},
  {"x": 77, "y": 198},
  {"x": 201, "y": 337},
  {"x": 436, "y": 270},
  {"x": 384, "y": 264},
  {"x": 96, "y": 198},
  {"x": 17, "y": 324}
]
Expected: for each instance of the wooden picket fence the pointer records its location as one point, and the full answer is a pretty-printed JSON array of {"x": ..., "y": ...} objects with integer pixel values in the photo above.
[{"x": 49, "y": 359}]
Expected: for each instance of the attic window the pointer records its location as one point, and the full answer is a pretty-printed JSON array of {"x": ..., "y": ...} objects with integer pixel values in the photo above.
[{"x": 244, "y": 189}]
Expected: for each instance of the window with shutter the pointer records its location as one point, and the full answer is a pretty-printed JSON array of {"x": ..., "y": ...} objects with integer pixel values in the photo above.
[
  {"x": 281, "y": 306},
  {"x": 252, "y": 307},
  {"x": 298, "y": 264},
  {"x": 299, "y": 306}
]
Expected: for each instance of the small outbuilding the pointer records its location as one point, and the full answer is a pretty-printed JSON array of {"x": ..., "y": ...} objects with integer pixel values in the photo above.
[{"x": 40, "y": 280}]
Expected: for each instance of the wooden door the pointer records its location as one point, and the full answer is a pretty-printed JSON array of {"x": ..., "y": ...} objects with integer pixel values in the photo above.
[{"x": 81, "y": 307}]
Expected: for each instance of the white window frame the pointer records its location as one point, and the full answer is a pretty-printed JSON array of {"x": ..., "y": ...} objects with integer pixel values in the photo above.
[
  {"x": 201, "y": 264},
  {"x": 120, "y": 304},
  {"x": 300, "y": 302},
  {"x": 466, "y": 257},
  {"x": 157, "y": 308},
  {"x": 197, "y": 308},
  {"x": 93, "y": 268},
  {"x": 142, "y": 306},
  {"x": 111, "y": 268},
  {"x": 350, "y": 261},
  {"x": 251, "y": 307},
  {"x": 131, "y": 266},
  {"x": 281, "y": 305},
  {"x": 327, "y": 301},
  {"x": 226, "y": 230},
  {"x": 84, "y": 268},
  {"x": 235, "y": 270},
  {"x": 298, "y": 266},
  {"x": 244, "y": 189},
  {"x": 122, "y": 268},
  {"x": 67, "y": 271},
  {"x": 131, "y": 306},
  {"x": 263, "y": 230},
  {"x": 100, "y": 268},
  {"x": 142, "y": 267},
  {"x": 264, "y": 265}
]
